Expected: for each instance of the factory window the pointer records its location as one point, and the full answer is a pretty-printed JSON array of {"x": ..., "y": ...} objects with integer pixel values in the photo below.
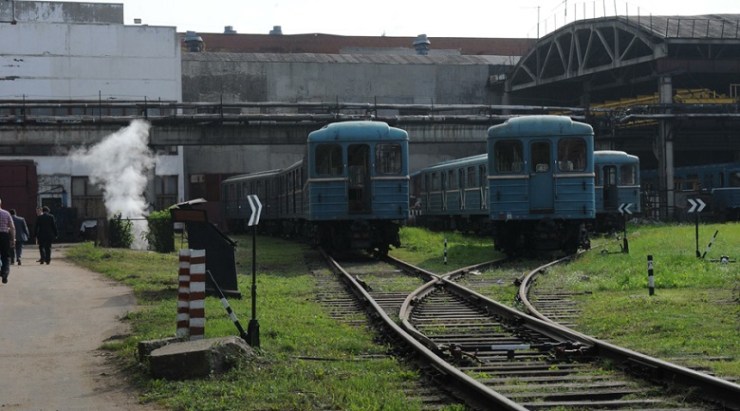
[
  {"x": 572, "y": 154},
  {"x": 329, "y": 160},
  {"x": 508, "y": 156},
  {"x": 388, "y": 160},
  {"x": 628, "y": 174},
  {"x": 166, "y": 191},
  {"x": 87, "y": 198}
]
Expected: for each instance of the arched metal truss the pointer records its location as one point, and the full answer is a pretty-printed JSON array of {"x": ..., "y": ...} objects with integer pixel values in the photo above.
[{"x": 614, "y": 45}]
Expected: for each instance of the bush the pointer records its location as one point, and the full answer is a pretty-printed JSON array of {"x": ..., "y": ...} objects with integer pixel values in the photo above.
[
  {"x": 120, "y": 232},
  {"x": 160, "y": 235}
]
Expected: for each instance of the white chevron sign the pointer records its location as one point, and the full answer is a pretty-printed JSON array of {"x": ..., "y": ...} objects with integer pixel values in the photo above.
[
  {"x": 256, "y": 206},
  {"x": 696, "y": 205}
]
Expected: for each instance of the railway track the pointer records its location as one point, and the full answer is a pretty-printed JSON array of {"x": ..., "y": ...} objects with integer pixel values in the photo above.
[{"x": 498, "y": 358}]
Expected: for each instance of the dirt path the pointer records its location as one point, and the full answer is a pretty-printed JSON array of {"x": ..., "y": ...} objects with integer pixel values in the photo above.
[{"x": 53, "y": 319}]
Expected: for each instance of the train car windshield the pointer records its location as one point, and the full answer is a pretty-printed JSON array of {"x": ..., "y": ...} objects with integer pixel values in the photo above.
[
  {"x": 388, "y": 159},
  {"x": 628, "y": 175},
  {"x": 572, "y": 154},
  {"x": 509, "y": 156},
  {"x": 329, "y": 160},
  {"x": 735, "y": 179}
]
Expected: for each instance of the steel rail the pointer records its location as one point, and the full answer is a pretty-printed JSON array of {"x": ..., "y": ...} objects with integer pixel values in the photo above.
[
  {"x": 712, "y": 388},
  {"x": 464, "y": 381}
]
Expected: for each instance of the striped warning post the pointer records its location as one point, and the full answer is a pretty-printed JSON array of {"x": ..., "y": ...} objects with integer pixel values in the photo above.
[
  {"x": 183, "y": 294},
  {"x": 197, "y": 294}
]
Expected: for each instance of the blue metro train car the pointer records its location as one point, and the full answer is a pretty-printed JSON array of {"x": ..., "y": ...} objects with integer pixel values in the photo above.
[
  {"x": 617, "y": 183},
  {"x": 452, "y": 195},
  {"x": 350, "y": 192},
  {"x": 718, "y": 185},
  {"x": 541, "y": 183}
]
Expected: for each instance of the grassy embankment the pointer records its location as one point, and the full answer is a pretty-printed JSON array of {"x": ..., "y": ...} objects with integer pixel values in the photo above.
[
  {"x": 695, "y": 309},
  {"x": 679, "y": 319},
  {"x": 307, "y": 360}
]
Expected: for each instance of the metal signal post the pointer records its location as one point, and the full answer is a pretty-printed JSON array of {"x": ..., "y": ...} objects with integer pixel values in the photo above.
[
  {"x": 253, "y": 329},
  {"x": 696, "y": 207}
]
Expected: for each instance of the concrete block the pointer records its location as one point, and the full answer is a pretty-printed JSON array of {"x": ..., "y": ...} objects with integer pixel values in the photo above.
[
  {"x": 145, "y": 348},
  {"x": 197, "y": 359}
]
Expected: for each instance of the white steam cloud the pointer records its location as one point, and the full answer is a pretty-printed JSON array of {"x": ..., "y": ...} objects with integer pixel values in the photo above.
[{"x": 118, "y": 165}]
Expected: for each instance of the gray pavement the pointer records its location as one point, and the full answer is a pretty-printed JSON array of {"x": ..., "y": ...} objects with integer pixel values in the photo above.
[{"x": 53, "y": 320}]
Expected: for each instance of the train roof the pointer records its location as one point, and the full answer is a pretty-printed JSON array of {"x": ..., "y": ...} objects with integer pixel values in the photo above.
[
  {"x": 361, "y": 130},
  {"x": 614, "y": 156},
  {"x": 538, "y": 126},
  {"x": 458, "y": 162},
  {"x": 259, "y": 174}
]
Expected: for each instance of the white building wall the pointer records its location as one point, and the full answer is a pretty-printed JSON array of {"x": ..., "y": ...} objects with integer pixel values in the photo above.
[{"x": 72, "y": 51}]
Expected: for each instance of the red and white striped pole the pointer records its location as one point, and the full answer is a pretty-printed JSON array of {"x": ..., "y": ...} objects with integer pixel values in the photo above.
[
  {"x": 197, "y": 294},
  {"x": 183, "y": 295}
]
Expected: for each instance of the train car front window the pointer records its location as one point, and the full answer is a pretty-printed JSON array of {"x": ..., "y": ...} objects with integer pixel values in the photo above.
[
  {"x": 388, "y": 160},
  {"x": 329, "y": 160},
  {"x": 628, "y": 175},
  {"x": 508, "y": 155},
  {"x": 572, "y": 154},
  {"x": 735, "y": 179}
]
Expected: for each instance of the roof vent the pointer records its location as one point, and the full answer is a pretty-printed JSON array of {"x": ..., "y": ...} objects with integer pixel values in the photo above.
[
  {"x": 229, "y": 30},
  {"x": 194, "y": 42},
  {"x": 422, "y": 44},
  {"x": 276, "y": 31}
]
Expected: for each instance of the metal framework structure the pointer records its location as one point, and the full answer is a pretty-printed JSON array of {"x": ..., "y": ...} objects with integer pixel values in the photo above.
[{"x": 611, "y": 52}]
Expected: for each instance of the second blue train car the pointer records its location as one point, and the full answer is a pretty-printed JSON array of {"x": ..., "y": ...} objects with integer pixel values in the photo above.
[
  {"x": 349, "y": 193},
  {"x": 541, "y": 183},
  {"x": 617, "y": 184}
]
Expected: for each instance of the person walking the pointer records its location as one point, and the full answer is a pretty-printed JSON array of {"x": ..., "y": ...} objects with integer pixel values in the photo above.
[
  {"x": 7, "y": 240},
  {"x": 45, "y": 232},
  {"x": 21, "y": 236}
]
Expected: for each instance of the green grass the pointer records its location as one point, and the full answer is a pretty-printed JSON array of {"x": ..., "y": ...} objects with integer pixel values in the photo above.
[
  {"x": 306, "y": 359},
  {"x": 425, "y": 249},
  {"x": 695, "y": 308}
]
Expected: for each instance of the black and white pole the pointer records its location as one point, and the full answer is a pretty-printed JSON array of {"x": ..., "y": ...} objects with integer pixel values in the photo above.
[
  {"x": 227, "y": 307},
  {"x": 445, "y": 251},
  {"x": 651, "y": 280},
  {"x": 710, "y": 244}
]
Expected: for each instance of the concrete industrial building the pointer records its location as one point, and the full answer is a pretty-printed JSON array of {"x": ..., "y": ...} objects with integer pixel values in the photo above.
[
  {"x": 624, "y": 60},
  {"x": 55, "y": 51}
]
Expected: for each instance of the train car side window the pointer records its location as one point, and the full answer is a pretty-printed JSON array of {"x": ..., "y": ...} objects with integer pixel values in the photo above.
[
  {"x": 628, "y": 174},
  {"x": 470, "y": 177},
  {"x": 540, "y": 157},
  {"x": 508, "y": 155},
  {"x": 482, "y": 175},
  {"x": 329, "y": 160},
  {"x": 388, "y": 159},
  {"x": 435, "y": 182},
  {"x": 572, "y": 154},
  {"x": 451, "y": 180}
]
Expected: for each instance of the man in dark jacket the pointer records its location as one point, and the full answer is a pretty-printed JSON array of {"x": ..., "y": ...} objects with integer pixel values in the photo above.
[
  {"x": 46, "y": 232},
  {"x": 21, "y": 236}
]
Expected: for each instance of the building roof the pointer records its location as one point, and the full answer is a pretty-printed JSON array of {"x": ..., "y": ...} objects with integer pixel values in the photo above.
[
  {"x": 351, "y": 58},
  {"x": 333, "y": 44}
]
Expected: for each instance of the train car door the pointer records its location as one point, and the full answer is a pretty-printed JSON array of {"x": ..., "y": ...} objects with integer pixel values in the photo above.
[
  {"x": 611, "y": 194},
  {"x": 358, "y": 162},
  {"x": 541, "y": 196}
]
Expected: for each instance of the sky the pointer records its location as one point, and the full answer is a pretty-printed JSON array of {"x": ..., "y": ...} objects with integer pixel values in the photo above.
[{"x": 403, "y": 18}]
